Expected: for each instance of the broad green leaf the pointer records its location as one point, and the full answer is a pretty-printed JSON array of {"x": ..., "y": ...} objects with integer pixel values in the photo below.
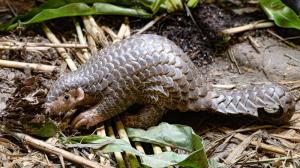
[
  {"x": 282, "y": 15},
  {"x": 178, "y": 136},
  {"x": 65, "y": 8},
  {"x": 197, "y": 158},
  {"x": 79, "y": 9},
  {"x": 53, "y": 4}
]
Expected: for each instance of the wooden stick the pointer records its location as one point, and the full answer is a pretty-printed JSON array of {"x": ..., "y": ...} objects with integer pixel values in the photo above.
[
  {"x": 262, "y": 145},
  {"x": 101, "y": 132},
  {"x": 150, "y": 24},
  {"x": 82, "y": 39},
  {"x": 270, "y": 160},
  {"x": 95, "y": 31},
  {"x": 24, "y": 65},
  {"x": 123, "y": 135},
  {"x": 9, "y": 45},
  {"x": 28, "y": 140},
  {"x": 124, "y": 30},
  {"x": 139, "y": 147},
  {"x": 111, "y": 33},
  {"x": 253, "y": 43},
  {"x": 90, "y": 38},
  {"x": 118, "y": 155},
  {"x": 282, "y": 39},
  {"x": 99, "y": 33},
  {"x": 156, "y": 149},
  {"x": 61, "y": 51},
  {"x": 247, "y": 27}
]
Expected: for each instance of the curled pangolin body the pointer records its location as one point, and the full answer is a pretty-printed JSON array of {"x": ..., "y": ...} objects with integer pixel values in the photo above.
[{"x": 152, "y": 70}]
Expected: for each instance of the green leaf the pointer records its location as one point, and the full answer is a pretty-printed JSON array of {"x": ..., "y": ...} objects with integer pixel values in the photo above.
[
  {"x": 48, "y": 129},
  {"x": 282, "y": 15},
  {"x": 156, "y": 5},
  {"x": 178, "y": 136},
  {"x": 173, "y": 5},
  {"x": 65, "y": 8},
  {"x": 192, "y": 3},
  {"x": 197, "y": 158},
  {"x": 78, "y": 9}
]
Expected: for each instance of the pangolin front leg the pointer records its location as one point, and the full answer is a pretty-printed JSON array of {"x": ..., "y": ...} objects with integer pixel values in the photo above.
[
  {"x": 144, "y": 117},
  {"x": 105, "y": 109}
]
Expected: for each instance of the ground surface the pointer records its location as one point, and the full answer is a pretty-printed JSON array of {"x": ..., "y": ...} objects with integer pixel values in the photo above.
[{"x": 22, "y": 92}]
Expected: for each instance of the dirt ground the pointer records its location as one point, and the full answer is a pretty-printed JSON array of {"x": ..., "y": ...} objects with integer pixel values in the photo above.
[{"x": 22, "y": 91}]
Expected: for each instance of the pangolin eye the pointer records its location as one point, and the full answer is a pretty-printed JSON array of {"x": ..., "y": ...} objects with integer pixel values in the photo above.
[{"x": 66, "y": 97}]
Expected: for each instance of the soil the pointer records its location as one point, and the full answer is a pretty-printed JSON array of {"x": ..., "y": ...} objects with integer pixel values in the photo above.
[{"x": 22, "y": 92}]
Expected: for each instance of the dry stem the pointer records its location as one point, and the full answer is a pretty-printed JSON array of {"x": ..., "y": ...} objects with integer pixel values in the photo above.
[
  {"x": 90, "y": 39},
  {"x": 247, "y": 27},
  {"x": 124, "y": 30},
  {"x": 82, "y": 39},
  {"x": 24, "y": 65},
  {"x": 123, "y": 135},
  {"x": 61, "y": 51},
  {"x": 57, "y": 151},
  {"x": 9, "y": 45},
  {"x": 150, "y": 24},
  {"x": 111, "y": 33},
  {"x": 118, "y": 155}
]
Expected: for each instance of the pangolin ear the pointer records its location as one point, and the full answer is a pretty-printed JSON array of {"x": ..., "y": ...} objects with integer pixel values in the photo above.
[{"x": 79, "y": 95}]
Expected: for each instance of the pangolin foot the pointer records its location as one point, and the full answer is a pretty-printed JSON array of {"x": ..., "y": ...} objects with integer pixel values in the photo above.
[{"x": 87, "y": 119}]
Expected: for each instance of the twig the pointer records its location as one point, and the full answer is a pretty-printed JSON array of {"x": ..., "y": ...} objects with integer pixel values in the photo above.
[
  {"x": 156, "y": 149},
  {"x": 118, "y": 155},
  {"x": 61, "y": 51},
  {"x": 292, "y": 58},
  {"x": 252, "y": 128},
  {"x": 292, "y": 38},
  {"x": 95, "y": 31},
  {"x": 111, "y": 33},
  {"x": 294, "y": 139},
  {"x": 24, "y": 65},
  {"x": 167, "y": 148},
  {"x": 253, "y": 43},
  {"x": 123, "y": 135},
  {"x": 90, "y": 39},
  {"x": 100, "y": 33},
  {"x": 232, "y": 58},
  {"x": 139, "y": 147},
  {"x": 270, "y": 160},
  {"x": 281, "y": 39},
  {"x": 262, "y": 145},
  {"x": 101, "y": 132},
  {"x": 247, "y": 27},
  {"x": 28, "y": 140},
  {"x": 232, "y": 157},
  {"x": 82, "y": 39},
  {"x": 189, "y": 13},
  {"x": 12, "y": 8},
  {"x": 150, "y": 24},
  {"x": 124, "y": 30},
  {"x": 22, "y": 45},
  {"x": 62, "y": 162}
]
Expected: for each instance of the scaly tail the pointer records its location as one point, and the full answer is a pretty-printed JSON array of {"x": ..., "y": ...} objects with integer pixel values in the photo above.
[{"x": 269, "y": 103}]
